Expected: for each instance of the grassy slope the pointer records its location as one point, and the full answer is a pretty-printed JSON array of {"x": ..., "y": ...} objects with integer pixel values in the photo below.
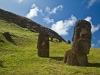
[{"x": 22, "y": 59}]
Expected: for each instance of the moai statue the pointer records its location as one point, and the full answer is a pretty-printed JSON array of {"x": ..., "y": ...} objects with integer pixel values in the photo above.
[
  {"x": 69, "y": 42},
  {"x": 81, "y": 44},
  {"x": 43, "y": 45}
]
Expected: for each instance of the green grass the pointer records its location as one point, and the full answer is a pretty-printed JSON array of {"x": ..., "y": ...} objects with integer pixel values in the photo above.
[{"x": 22, "y": 59}]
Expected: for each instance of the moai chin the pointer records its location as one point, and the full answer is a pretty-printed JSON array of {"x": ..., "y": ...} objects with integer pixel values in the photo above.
[
  {"x": 81, "y": 44},
  {"x": 43, "y": 45}
]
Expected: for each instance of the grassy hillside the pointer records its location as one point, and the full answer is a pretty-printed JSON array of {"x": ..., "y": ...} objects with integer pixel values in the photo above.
[{"x": 21, "y": 58}]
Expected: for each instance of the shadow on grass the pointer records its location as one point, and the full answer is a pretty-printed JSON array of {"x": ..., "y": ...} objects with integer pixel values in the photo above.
[
  {"x": 1, "y": 64},
  {"x": 89, "y": 64},
  {"x": 57, "y": 58},
  {"x": 8, "y": 37},
  {"x": 94, "y": 65}
]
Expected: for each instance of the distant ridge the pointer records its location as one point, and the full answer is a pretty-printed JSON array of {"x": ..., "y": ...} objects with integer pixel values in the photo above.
[{"x": 27, "y": 23}]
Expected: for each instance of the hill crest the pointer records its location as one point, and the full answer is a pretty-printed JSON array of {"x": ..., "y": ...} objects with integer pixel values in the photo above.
[{"x": 27, "y": 23}]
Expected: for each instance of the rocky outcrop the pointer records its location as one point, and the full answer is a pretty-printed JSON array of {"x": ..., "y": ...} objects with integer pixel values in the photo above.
[{"x": 27, "y": 23}]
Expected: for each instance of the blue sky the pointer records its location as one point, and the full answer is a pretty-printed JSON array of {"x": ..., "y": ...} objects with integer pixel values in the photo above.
[{"x": 59, "y": 15}]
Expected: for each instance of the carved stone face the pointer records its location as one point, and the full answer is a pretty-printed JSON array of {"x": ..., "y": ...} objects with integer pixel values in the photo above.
[
  {"x": 84, "y": 31},
  {"x": 82, "y": 37}
]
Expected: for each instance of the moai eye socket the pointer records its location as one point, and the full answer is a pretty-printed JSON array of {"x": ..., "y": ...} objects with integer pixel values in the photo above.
[{"x": 77, "y": 29}]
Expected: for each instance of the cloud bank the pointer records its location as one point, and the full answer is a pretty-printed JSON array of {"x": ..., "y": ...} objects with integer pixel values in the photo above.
[
  {"x": 62, "y": 27},
  {"x": 94, "y": 28},
  {"x": 33, "y": 11}
]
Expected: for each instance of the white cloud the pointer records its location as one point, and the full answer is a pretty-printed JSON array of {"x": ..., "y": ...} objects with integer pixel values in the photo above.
[
  {"x": 19, "y": 1},
  {"x": 98, "y": 42},
  {"x": 62, "y": 27},
  {"x": 33, "y": 11},
  {"x": 92, "y": 45},
  {"x": 88, "y": 19},
  {"x": 54, "y": 10},
  {"x": 48, "y": 20},
  {"x": 94, "y": 28},
  {"x": 91, "y": 2},
  {"x": 47, "y": 9},
  {"x": 96, "y": 45}
]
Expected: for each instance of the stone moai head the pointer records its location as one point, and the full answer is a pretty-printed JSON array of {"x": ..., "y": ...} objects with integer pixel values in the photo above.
[{"x": 82, "y": 37}]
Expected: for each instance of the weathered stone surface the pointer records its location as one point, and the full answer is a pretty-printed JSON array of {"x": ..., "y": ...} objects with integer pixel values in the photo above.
[
  {"x": 43, "y": 45},
  {"x": 81, "y": 44}
]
